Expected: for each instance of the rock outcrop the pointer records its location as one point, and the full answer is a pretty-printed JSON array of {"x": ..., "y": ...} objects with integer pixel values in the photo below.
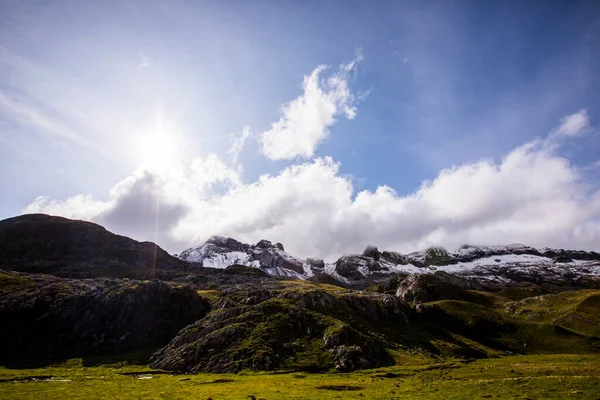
[
  {"x": 423, "y": 288},
  {"x": 288, "y": 326},
  {"x": 45, "y": 317},
  {"x": 373, "y": 252}
]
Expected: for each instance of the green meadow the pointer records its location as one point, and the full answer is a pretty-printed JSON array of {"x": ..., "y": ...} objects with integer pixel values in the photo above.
[{"x": 513, "y": 377}]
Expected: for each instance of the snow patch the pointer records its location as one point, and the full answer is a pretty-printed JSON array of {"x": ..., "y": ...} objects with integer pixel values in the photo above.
[{"x": 224, "y": 260}]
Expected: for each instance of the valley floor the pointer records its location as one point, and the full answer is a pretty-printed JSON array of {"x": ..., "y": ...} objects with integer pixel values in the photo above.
[{"x": 514, "y": 377}]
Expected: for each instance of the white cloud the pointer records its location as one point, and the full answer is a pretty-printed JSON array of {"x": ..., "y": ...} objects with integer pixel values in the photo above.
[
  {"x": 238, "y": 144},
  {"x": 532, "y": 196},
  {"x": 149, "y": 204},
  {"x": 81, "y": 206},
  {"x": 574, "y": 124},
  {"x": 306, "y": 120}
]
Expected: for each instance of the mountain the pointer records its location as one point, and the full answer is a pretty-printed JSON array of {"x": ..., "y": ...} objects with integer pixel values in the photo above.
[
  {"x": 72, "y": 289},
  {"x": 221, "y": 252},
  {"x": 40, "y": 243},
  {"x": 490, "y": 264}
]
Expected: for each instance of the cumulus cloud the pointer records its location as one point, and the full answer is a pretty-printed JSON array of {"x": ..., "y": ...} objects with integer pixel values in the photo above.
[
  {"x": 306, "y": 120},
  {"x": 531, "y": 196},
  {"x": 149, "y": 204}
]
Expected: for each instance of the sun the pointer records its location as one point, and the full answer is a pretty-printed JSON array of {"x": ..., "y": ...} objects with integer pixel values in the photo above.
[{"x": 159, "y": 150}]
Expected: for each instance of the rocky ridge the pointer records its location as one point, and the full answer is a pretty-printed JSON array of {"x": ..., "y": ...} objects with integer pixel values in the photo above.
[
  {"x": 39, "y": 243},
  {"x": 512, "y": 263}
]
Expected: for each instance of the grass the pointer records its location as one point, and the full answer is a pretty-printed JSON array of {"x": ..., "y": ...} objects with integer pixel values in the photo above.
[
  {"x": 576, "y": 311},
  {"x": 515, "y": 377},
  {"x": 486, "y": 325},
  {"x": 210, "y": 295}
]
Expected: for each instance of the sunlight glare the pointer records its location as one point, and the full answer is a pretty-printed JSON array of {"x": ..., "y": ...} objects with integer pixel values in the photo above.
[
  {"x": 161, "y": 146},
  {"x": 159, "y": 150}
]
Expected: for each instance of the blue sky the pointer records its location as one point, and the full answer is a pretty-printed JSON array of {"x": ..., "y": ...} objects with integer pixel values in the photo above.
[{"x": 92, "y": 93}]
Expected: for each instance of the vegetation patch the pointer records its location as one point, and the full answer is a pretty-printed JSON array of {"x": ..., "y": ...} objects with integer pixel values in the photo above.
[
  {"x": 339, "y": 388},
  {"x": 515, "y": 377}
]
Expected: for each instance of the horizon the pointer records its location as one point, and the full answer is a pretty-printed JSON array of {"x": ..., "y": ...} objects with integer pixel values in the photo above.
[{"x": 326, "y": 127}]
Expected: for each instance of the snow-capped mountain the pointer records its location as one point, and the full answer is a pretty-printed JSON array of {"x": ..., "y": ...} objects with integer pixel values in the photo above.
[
  {"x": 512, "y": 263},
  {"x": 221, "y": 252}
]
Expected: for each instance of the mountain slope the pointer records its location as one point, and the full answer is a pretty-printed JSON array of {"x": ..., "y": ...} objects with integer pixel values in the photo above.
[
  {"x": 45, "y": 317},
  {"x": 41, "y": 243}
]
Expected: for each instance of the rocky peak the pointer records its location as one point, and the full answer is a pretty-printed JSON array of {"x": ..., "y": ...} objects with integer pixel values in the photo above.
[
  {"x": 264, "y": 244},
  {"x": 226, "y": 242},
  {"x": 372, "y": 251},
  {"x": 394, "y": 257},
  {"x": 356, "y": 267},
  {"x": 221, "y": 252},
  {"x": 432, "y": 256}
]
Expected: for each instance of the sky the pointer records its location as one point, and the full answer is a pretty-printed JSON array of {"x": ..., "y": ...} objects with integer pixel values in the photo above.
[{"x": 324, "y": 125}]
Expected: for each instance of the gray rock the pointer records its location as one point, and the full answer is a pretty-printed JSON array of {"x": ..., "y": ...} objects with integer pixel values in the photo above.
[
  {"x": 371, "y": 251},
  {"x": 264, "y": 244},
  {"x": 422, "y": 288},
  {"x": 226, "y": 243}
]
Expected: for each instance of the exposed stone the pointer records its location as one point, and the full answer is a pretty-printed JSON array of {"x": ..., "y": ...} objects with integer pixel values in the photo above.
[
  {"x": 226, "y": 242},
  {"x": 264, "y": 244},
  {"x": 371, "y": 251},
  {"x": 318, "y": 331},
  {"x": 394, "y": 257},
  {"x": 438, "y": 286},
  {"x": 316, "y": 264},
  {"x": 349, "y": 266}
]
